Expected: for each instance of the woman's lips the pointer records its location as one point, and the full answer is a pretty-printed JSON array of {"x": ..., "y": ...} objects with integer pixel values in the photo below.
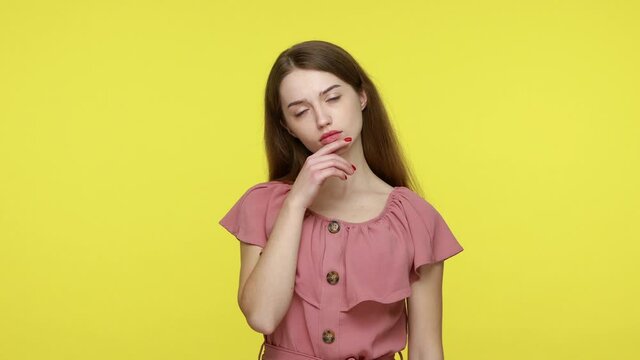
[{"x": 331, "y": 138}]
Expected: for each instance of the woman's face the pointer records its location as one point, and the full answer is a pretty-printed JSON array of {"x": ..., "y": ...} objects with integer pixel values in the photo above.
[{"x": 315, "y": 102}]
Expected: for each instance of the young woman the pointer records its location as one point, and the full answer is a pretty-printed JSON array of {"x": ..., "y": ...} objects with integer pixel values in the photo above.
[{"x": 336, "y": 240}]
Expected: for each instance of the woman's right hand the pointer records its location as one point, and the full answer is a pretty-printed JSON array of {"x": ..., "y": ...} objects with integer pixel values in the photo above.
[{"x": 316, "y": 169}]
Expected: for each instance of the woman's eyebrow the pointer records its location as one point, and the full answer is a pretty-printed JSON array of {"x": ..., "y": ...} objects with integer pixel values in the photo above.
[{"x": 321, "y": 93}]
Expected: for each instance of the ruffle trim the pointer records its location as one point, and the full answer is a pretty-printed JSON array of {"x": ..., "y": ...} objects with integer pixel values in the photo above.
[{"x": 409, "y": 233}]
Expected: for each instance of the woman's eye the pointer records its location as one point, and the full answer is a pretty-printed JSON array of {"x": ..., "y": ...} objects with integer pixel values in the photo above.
[{"x": 302, "y": 112}]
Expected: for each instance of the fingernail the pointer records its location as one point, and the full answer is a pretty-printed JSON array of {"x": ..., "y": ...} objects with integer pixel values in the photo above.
[
  {"x": 347, "y": 139},
  {"x": 353, "y": 166}
]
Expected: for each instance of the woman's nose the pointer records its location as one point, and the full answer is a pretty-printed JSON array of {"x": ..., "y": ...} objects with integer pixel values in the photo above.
[{"x": 323, "y": 118}]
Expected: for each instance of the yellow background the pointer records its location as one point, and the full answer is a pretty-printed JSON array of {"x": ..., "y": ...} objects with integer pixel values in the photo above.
[{"x": 128, "y": 129}]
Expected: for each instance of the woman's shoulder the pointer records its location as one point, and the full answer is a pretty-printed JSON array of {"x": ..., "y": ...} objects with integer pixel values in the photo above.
[
  {"x": 265, "y": 195},
  {"x": 412, "y": 210},
  {"x": 412, "y": 199}
]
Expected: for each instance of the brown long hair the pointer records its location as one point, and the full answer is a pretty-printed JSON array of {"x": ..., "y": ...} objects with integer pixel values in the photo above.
[{"x": 286, "y": 154}]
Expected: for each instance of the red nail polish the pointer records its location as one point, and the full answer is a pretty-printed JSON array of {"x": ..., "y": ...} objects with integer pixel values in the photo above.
[
  {"x": 353, "y": 166},
  {"x": 347, "y": 139}
]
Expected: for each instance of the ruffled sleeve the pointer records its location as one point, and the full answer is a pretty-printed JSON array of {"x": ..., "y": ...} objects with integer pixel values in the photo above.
[
  {"x": 252, "y": 217},
  {"x": 430, "y": 237}
]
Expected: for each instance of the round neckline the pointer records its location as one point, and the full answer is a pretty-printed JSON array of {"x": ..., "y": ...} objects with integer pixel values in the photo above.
[{"x": 382, "y": 213}]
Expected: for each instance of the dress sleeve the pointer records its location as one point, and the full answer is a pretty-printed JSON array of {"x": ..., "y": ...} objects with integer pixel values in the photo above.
[
  {"x": 431, "y": 237},
  {"x": 249, "y": 219}
]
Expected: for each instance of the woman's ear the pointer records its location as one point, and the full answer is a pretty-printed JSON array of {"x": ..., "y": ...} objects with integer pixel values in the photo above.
[{"x": 363, "y": 100}]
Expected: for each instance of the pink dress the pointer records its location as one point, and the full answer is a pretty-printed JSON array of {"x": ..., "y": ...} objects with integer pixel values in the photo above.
[{"x": 351, "y": 278}]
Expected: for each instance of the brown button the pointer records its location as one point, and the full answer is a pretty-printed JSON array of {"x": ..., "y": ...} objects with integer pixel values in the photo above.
[
  {"x": 328, "y": 336},
  {"x": 332, "y": 277},
  {"x": 334, "y": 227}
]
